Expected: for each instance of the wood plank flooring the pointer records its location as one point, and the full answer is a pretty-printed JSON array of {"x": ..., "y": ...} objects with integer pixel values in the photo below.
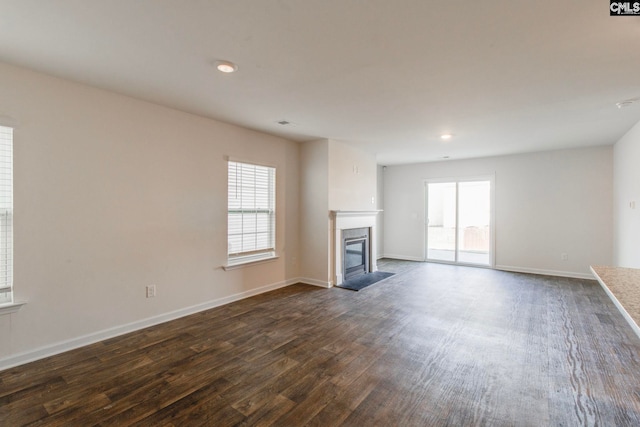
[{"x": 434, "y": 345}]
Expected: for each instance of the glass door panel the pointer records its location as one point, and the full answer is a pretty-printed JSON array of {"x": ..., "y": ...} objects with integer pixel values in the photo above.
[
  {"x": 441, "y": 227},
  {"x": 474, "y": 222}
]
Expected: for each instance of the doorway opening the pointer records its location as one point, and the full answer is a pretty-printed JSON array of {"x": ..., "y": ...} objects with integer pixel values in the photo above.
[{"x": 459, "y": 221}]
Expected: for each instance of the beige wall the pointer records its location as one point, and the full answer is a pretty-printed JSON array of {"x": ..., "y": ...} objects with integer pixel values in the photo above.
[
  {"x": 352, "y": 178},
  {"x": 314, "y": 212},
  {"x": 113, "y": 194},
  {"x": 626, "y": 193},
  {"x": 380, "y": 207},
  {"x": 546, "y": 204},
  {"x": 334, "y": 176}
]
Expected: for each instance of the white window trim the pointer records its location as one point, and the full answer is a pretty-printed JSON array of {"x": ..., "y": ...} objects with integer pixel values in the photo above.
[
  {"x": 7, "y": 224},
  {"x": 244, "y": 260},
  {"x": 240, "y": 262},
  {"x": 11, "y": 307}
]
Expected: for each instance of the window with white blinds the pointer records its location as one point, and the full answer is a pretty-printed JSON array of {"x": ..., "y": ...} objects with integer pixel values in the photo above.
[
  {"x": 251, "y": 212},
  {"x": 6, "y": 214}
]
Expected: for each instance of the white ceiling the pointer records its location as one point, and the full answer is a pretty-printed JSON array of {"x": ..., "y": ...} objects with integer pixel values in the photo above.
[{"x": 504, "y": 76}]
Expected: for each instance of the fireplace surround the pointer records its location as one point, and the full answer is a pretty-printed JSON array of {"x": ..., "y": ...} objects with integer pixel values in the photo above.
[{"x": 355, "y": 232}]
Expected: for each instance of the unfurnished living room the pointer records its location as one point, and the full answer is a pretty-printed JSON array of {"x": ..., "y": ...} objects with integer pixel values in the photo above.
[{"x": 332, "y": 213}]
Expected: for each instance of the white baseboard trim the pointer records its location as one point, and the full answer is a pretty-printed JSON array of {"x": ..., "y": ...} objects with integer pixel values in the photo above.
[
  {"x": 571, "y": 274},
  {"x": 71, "y": 344},
  {"x": 314, "y": 282},
  {"x": 557, "y": 273},
  {"x": 403, "y": 257}
]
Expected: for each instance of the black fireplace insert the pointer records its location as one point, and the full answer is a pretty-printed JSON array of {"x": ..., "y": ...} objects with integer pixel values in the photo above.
[{"x": 355, "y": 252}]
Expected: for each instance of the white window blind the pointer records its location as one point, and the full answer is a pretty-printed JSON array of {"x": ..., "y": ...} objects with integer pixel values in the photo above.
[
  {"x": 251, "y": 211},
  {"x": 6, "y": 214}
]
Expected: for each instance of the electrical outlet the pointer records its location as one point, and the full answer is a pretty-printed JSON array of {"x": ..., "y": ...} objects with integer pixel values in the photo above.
[
  {"x": 151, "y": 291},
  {"x": 564, "y": 256}
]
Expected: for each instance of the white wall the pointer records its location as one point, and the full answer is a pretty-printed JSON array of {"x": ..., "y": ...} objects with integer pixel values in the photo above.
[
  {"x": 113, "y": 194},
  {"x": 546, "y": 204},
  {"x": 626, "y": 160}
]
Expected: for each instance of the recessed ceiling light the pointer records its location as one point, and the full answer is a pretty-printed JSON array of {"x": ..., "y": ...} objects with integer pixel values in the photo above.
[
  {"x": 446, "y": 136},
  {"x": 226, "y": 66}
]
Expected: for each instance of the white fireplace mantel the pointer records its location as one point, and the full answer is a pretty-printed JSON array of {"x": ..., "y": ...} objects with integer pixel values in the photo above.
[{"x": 344, "y": 220}]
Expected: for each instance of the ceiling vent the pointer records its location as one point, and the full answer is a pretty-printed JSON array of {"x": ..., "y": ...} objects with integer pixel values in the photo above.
[{"x": 627, "y": 103}]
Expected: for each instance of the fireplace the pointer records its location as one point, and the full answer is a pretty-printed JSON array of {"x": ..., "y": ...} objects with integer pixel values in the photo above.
[
  {"x": 355, "y": 252},
  {"x": 354, "y": 244}
]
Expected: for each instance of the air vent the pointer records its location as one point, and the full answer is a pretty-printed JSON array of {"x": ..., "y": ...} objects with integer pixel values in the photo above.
[
  {"x": 627, "y": 103},
  {"x": 284, "y": 122}
]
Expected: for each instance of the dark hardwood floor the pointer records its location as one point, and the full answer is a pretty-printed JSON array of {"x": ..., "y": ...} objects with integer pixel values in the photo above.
[{"x": 434, "y": 345}]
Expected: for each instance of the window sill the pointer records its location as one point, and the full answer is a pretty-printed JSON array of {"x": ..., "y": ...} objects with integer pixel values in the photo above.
[
  {"x": 245, "y": 262},
  {"x": 10, "y": 307}
]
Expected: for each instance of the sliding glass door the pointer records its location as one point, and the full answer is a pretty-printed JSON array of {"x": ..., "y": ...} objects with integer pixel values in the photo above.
[
  {"x": 441, "y": 222},
  {"x": 459, "y": 221}
]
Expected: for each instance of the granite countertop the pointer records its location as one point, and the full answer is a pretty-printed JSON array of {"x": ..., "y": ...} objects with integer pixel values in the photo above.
[{"x": 624, "y": 284}]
